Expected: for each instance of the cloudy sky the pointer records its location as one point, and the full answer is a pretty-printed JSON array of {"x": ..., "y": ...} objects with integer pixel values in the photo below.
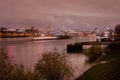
[{"x": 78, "y": 14}]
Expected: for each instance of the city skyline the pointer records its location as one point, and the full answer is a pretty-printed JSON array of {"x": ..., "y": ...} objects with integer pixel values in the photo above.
[{"x": 78, "y": 14}]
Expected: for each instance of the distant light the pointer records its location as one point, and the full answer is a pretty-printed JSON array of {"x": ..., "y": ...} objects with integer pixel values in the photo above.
[{"x": 108, "y": 28}]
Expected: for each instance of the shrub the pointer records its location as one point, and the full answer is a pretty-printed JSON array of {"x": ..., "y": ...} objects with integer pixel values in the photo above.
[
  {"x": 93, "y": 53},
  {"x": 113, "y": 48},
  {"x": 52, "y": 66},
  {"x": 5, "y": 66},
  {"x": 11, "y": 71}
]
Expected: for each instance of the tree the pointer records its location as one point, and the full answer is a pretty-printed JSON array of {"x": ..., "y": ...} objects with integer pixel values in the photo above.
[
  {"x": 117, "y": 29},
  {"x": 52, "y": 66},
  {"x": 113, "y": 48},
  {"x": 5, "y": 66}
]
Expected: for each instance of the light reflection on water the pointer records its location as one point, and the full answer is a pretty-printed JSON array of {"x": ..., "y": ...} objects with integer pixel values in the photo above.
[{"x": 28, "y": 52}]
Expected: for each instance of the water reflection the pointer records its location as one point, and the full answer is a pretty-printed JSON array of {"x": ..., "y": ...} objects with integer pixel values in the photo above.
[
  {"x": 78, "y": 63},
  {"x": 28, "y": 52}
]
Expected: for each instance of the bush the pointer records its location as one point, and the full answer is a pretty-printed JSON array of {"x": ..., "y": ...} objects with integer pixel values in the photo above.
[
  {"x": 93, "y": 53},
  {"x": 5, "y": 66},
  {"x": 113, "y": 48},
  {"x": 52, "y": 66},
  {"x": 11, "y": 71}
]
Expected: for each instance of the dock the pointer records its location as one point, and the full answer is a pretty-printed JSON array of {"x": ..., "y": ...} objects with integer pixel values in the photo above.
[
  {"x": 78, "y": 46},
  {"x": 94, "y": 43}
]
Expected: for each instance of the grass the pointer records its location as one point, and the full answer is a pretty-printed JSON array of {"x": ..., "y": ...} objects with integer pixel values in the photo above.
[{"x": 105, "y": 71}]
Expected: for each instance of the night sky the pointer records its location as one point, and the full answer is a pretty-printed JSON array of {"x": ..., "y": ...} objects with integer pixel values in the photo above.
[{"x": 60, "y": 14}]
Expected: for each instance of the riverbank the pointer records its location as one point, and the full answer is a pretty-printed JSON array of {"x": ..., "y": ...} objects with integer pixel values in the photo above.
[{"x": 106, "y": 67}]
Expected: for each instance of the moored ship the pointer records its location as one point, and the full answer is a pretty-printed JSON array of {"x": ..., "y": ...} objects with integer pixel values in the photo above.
[{"x": 45, "y": 38}]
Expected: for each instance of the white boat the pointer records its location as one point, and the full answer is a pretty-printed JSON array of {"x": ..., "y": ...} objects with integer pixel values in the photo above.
[{"x": 45, "y": 38}]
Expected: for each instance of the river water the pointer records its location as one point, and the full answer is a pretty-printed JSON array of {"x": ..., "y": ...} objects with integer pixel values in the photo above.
[{"x": 27, "y": 52}]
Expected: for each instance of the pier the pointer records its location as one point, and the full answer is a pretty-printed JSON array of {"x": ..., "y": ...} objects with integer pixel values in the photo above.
[{"x": 78, "y": 46}]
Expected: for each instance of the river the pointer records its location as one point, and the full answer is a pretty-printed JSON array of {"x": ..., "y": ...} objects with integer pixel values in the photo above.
[{"x": 23, "y": 51}]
